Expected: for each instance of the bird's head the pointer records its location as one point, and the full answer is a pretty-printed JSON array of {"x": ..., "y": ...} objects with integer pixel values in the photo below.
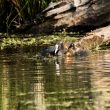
[{"x": 58, "y": 47}]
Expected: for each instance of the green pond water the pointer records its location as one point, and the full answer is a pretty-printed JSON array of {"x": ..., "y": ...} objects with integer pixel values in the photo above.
[{"x": 68, "y": 83}]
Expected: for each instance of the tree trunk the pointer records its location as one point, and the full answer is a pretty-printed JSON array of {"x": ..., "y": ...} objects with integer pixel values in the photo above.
[{"x": 69, "y": 15}]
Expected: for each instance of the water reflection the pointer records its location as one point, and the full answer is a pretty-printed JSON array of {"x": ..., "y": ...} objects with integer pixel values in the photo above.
[
  {"x": 67, "y": 83},
  {"x": 101, "y": 81}
]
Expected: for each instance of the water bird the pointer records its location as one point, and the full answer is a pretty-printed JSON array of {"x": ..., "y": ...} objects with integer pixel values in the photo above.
[
  {"x": 66, "y": 48},
  {"x": 79, "y": 50},
  {"x": 50, "y": 50},
  {"x": 59, "y": 49}
]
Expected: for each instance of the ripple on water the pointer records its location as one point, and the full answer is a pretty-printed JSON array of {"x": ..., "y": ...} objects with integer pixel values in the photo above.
[{"x": 59, "y": 84}]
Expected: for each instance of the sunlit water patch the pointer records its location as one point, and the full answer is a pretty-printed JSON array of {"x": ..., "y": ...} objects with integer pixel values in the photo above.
[{"x": 68, "y": 83}]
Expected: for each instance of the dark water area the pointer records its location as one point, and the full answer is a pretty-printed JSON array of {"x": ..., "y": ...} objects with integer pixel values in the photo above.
[{"x": 68, "y": 83}]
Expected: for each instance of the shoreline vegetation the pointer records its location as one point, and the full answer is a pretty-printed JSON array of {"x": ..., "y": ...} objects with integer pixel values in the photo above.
[
  {"x": 33, "y": 43},
  {"x": 17, "y": 14},
  {"x": 29, "y": 41}
]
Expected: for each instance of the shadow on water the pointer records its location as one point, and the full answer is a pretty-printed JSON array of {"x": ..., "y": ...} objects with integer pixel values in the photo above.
[{"x": 67, "y": 83}]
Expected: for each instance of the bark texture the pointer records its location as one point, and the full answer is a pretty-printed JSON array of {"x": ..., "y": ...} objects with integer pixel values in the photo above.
[
  {"x": 95, "y": 39},
  {"x": 68, "y": 14}
]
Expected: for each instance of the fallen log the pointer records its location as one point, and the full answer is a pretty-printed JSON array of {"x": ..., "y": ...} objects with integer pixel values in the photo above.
[
  {"x": 94, "y": 39},
  {"x": 92, "y": 13},
  {"x": 59, "y": 10},
  {"x": 54, "y": 5}
]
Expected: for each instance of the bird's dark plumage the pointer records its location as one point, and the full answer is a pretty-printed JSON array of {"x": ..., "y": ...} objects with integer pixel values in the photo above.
[{"x": 58, "y": 49}]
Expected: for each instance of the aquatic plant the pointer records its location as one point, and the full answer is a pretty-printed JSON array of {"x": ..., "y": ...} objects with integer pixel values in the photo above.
[{"x": 18, "y": 41}]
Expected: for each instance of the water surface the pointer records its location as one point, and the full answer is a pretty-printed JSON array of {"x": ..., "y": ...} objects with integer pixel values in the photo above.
[{"x": 69, "y": 83}]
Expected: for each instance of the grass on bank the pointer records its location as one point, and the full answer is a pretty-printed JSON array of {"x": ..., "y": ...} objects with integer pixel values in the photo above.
[{"x": 16, "y": 13}]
